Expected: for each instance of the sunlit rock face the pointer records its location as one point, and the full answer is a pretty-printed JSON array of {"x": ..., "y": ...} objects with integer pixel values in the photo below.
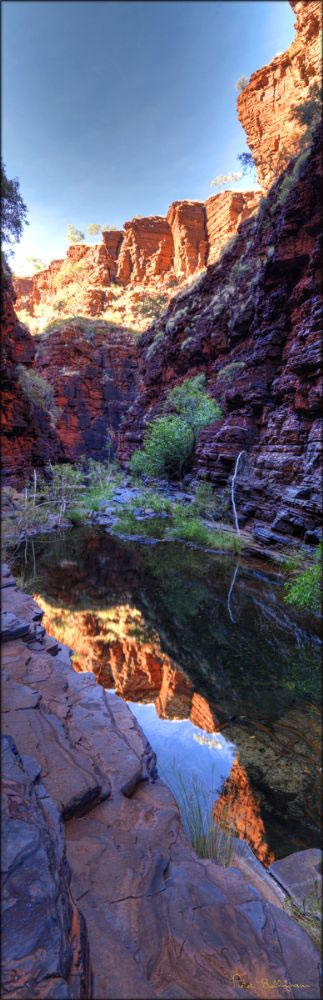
[
  {"x": 265, "y": 106},
  {"x": 151, "y": 255},
  {"x": 239, "y": 808},
  {"x": 224, "y": 214},
  {"x": 251, "y": 325},
  {"x": 29, "y": 437}
]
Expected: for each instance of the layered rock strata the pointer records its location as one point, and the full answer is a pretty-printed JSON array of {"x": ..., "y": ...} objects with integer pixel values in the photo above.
[
  {"x": 133, "y": 871},
  {"x": 266, "y": 105},
  {"x": 29, "y": 438},
  {"x": 92, "y": 369},
  {"x": 153, "y": 251},
  {"x": 224, "y": 213},
  {"x": 252, "y": 326}
]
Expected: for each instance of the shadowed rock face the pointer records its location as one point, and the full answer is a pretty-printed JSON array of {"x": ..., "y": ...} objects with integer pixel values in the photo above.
[
  {"x": 28, "y": 437},
  {"x": 252, "y": 326},
  {"x": 45, "y": 942},
  {"x": 93, "y": 373},
  {"x": 265, "y": 106},
  {"x": 161, "y": 922}
]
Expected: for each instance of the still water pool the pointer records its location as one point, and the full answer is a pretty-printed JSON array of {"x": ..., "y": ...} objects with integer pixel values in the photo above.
[{"x": 222, "y": 676}]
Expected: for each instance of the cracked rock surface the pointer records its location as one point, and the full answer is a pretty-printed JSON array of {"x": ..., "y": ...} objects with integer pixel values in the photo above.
[{"x": 160, "y": 921}]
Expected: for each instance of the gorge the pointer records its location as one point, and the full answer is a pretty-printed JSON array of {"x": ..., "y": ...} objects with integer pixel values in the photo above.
[{"x": 138, "y": 663}]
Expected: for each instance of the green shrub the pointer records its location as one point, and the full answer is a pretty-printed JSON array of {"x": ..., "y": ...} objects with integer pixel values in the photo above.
[
  {"x": 155, "y": 501},
  {"x": 159, "y": 336},
  {"x": 191, "y": 529},
  {"x": 127, "y": 524},
  {"x": 168, "y": 444},
  {"x": 75, "y": 516},
  {"x": 284, "y": 190},
  {"x": 290, "y": 179},
  {"x": 193, "y": 404},
  {"x": 153, "y": 306},
  {"x": 229, "y": 372},
  {"x": 37, "y": 390},
  {"x": 170, "y": 439},
  {"x": 306, "y": 590},
  {"x": 204, "y": 500}
]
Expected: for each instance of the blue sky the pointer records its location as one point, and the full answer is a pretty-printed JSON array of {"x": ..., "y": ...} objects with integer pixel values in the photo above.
[{"x": 116, "y": 109}]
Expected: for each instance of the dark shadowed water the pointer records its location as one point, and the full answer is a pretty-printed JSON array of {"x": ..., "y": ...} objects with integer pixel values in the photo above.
[{"x": 222, "y": 675}]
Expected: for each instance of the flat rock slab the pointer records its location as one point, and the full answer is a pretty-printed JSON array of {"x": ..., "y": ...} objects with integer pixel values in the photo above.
[
  {"x": 300, "y": 875},
  {"x": 191, "y": 926},
  {"x": 44, "y": 937},
  {"x": 161, "y": 922}
]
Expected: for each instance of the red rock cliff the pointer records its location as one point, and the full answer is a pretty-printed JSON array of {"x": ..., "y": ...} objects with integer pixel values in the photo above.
[
  {"x": 251, "y": 324},
  {"x": 92, "y": 369},
  {"x": 265, "y": 106},
  {"x": 29, "y": 438},
  {"x": 155, "y": 251}
]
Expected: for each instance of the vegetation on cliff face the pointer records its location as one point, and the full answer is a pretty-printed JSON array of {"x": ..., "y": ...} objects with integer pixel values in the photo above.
[
  {"x": 171, "y": 438},
  {"x": 37, "y": 390}
]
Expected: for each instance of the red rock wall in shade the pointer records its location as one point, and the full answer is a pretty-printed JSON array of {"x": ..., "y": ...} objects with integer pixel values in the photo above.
[
  {"x": 265, "y": 106},
  {"x": 259, "y": 310},
  {"x": 28, "y": 438},
  {"x": 93, "y": 372}
]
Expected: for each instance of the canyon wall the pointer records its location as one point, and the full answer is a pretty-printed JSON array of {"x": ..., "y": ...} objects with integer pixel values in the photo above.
[
  {"x": 29, "y": 437},
  {"x": 266, "y": 105},
  {"x": 92, "y": 369},
  {"x": 252, "y": 326},
  {"x": 156, "y": 252}
]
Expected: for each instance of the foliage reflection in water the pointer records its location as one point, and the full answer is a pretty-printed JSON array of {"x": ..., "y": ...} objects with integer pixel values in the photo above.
[{"x": 207, "y": 644}]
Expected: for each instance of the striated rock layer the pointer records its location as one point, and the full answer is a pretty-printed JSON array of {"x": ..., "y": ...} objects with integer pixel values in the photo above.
[
  {"x": 265, "y": 106},
  {"x": 29, "y": 438},
  {"x": 252, "y": 326},
  {"x": 161, "y": 922},
  {"x": 156, "y": 252},
  {"x": 93, "y": 372}
]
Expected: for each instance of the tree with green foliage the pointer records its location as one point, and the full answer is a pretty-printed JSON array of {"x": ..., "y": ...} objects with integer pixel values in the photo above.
[
  {"x": 170, "y": 440},
  {"x": 37, "y": 264},
  {"x": 74, "y": 235},
  {"x": 248, "y": 164},
  {"x": 153, "y": 306},
  {"x": 13, "y": 210},
  {"x": 94, "y": 229}
]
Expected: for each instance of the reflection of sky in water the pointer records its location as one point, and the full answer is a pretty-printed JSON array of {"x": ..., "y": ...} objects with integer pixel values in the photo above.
[{"x": 180, "y": 752}]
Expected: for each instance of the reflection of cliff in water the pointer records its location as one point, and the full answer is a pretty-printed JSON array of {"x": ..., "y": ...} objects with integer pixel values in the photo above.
[{"x": 152, "y": 622}]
